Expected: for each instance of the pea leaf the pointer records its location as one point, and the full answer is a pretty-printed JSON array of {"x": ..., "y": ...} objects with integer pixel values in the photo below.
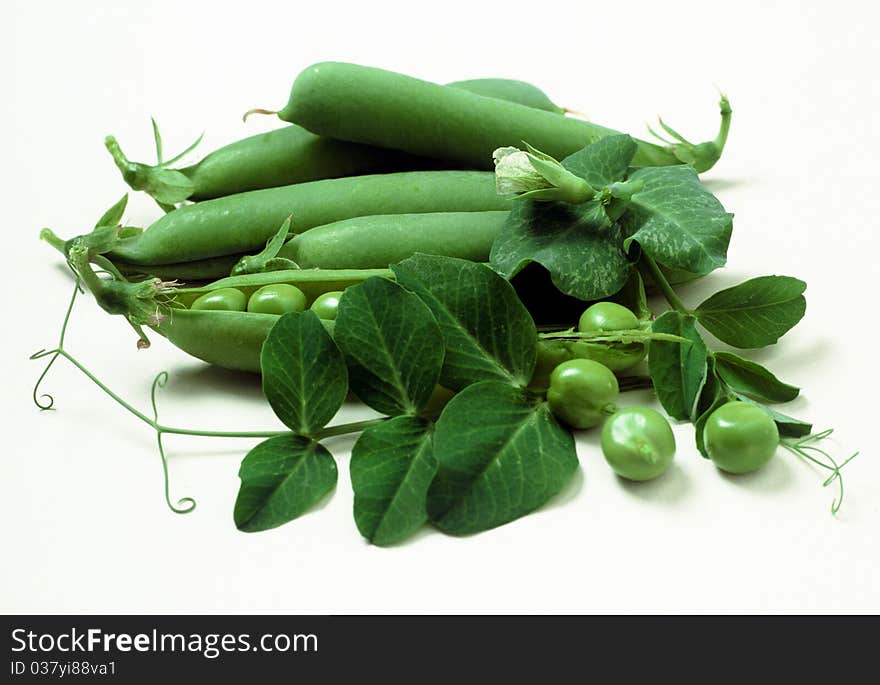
[
  {"x": 712, "y": 396},
  {"x": 678, "y": 370},
  {"x": 281, "y": 478},
  {"x": 676, "y": 220},
  {"x": 577, "y": 244},
  {"x": 500, "y": 456},
  {"x": 749, "y": 378},
  {"x": 487, "y": 332},
  {"x": 604, "y": 162},
  {"x": 788, "y": 425},
  {"x": 755, "y": 313},
  {"x": 392, "y": 345},
  {"x": 304, "y": 375},
  {"x": 392, "y": 465}
]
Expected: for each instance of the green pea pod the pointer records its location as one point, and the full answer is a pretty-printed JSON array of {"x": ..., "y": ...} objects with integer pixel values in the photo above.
[
  {"x": 238, "y": 224},
  {"x": 377, "y": 241},
  {"x": 290, "y": 155},
  {"x": 382, "y": 108}
]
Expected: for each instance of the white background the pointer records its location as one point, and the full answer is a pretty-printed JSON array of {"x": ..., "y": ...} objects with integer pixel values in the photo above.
[{"x": 84, "y": 526}]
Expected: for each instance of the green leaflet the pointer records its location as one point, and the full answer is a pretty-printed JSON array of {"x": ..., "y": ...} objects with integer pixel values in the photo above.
[
  {"x": 755, "y": 313},
  {"x": 487, "y": 332},
  {"x": 392, "y": 344},
  {"x": 678, "y": 370},
  {"x": 603, "y": 162},
  {"x": 577, "y": 244},
  {"x": 676, "y": 220},
  {"x": 281, "y": 478},
  {"x": 304, "y": 375},
  {"x": 500, "y": 456},
  {"x": 712, "y": 396},
  {"x": 752, "y": 379},
  {"x": 392, "y": 465}
]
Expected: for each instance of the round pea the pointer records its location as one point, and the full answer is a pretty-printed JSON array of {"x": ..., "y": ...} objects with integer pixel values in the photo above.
[
  {"x": 582, "y": 392},
  {"x": 277, "y": 298},
  {"x": 638, "y": 443},
  {"x": 607, "y": 316},
  {"x": 222, "y": 299},
  {"x": 740, "y": 437},
  {"x": 325, "y": 305}
]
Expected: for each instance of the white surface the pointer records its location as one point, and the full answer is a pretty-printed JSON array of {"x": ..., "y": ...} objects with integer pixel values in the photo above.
[{"x": 84, "y": 526}]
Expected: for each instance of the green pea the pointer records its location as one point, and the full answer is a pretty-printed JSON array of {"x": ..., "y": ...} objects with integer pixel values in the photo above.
[
  {"x": 607, "y": 316},
  {"x": 325, "y": 305},
  {"x": 638, "y": 443},
  {"x": 222, "y": 299},
  {"x": 278, "y": 298},
  {"x": 740, "y": 437},
  {"x": 582, "y": 392}
]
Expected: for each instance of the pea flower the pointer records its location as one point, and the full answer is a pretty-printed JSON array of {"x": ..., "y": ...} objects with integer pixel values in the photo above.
[{"x": 533, "y": 175}]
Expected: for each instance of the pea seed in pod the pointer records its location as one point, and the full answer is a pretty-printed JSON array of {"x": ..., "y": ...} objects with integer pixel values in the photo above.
[
  {"x": 605, "y": 317},
  {"x": 740, "y": 437},
  {"x": 327, "y": 305},
  {"x": 223, "y": 299},
  {"x": 638, "y": 443},
  {"x": 374, "y": 242},
  {"x": 277, "y": 298}
]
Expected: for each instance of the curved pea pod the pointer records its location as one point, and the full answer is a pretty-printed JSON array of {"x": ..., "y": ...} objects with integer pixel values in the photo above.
[
  {"x": 233, "y": 340},
  {"x": 377, "y": 241},
  {"x": 239, "y": 224},
  {"x": 291, "y": 155},
  {"x": 382, "y": 108}
]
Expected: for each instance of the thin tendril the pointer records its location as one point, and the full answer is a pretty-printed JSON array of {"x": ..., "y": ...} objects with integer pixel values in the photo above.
[
  {"x": 48, "y": 402},
  {"x": 802, "y": 448},
  {"x": 185, "y": 504}
]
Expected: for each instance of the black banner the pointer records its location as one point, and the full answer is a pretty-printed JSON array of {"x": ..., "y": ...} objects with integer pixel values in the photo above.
[{"x": 134, "y": 649}]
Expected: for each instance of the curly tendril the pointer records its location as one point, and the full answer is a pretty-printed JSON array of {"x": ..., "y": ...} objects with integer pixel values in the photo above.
[
  {"x": 805, "y": 448},
  {"x": 185, "y": 504},
  {"x": 45, "y": 401}
]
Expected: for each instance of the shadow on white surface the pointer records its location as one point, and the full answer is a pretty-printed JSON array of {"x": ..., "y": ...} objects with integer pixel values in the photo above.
[
  {"x": 205, "y": 379},
  {"x": 717, "y": 185},
  {"x": 670, "y": 488},
  {"x": 775, "y": 477}
]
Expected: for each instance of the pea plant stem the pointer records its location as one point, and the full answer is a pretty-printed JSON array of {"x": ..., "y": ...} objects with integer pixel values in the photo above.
[{"x": 658, "y": 278}]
